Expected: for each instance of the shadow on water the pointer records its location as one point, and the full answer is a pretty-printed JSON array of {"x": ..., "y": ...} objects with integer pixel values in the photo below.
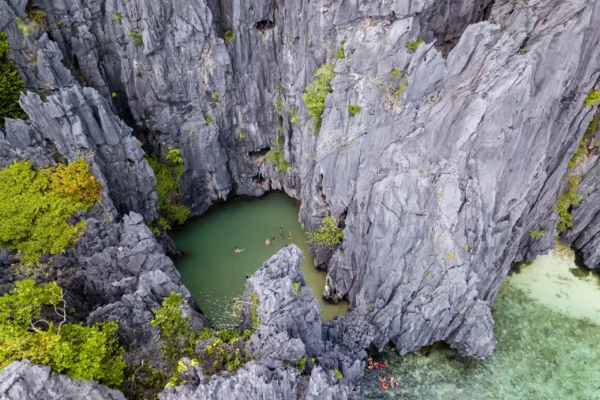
[{"x": 215, "y": 274}]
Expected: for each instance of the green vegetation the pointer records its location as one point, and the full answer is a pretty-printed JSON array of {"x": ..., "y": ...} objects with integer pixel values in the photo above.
[
  {"x": 24, "y": 27},
  {"x": 394, "y": 89},
  {"x": 37, "y": 16},
  {"x": 301, "y": 364},
  {"x": 279, "y": 102},
  {"x": 117, "y": 16},
  {"x": 276, "y": 155},
  {"x": 537, "y": 234},
  {"x": 569, "y": 198},
  {"x": 35, "y": 207},
  {"x": 592, "y": 98},
  {"x": 113, "y": 94},
  {"x": 208, "y": 120},
  {"x": 58, "y": 22},
  {"x": 412, "y": 46},
  {"x": 82, "y": 352},
  {"x": 136, "y": 38},
  {"x": 326, "y": 234},
  {"x": 353, "y": 109},
  {"x": 241, "y": 135},
  {"x": 215, "y": 96},
  {"x": 10, "y": 85},
  {"x": 168, "y": 173},
  {"x": 296, "y": 288},
  {"x": 178, "y": 339},
  {"x": 338, "y": 373},
  {"x": 340, "y": 54},
  {"x": 315, "y": 94},
  {"x": 229, "y": 36},
  {"x": 295, "y": 117}
]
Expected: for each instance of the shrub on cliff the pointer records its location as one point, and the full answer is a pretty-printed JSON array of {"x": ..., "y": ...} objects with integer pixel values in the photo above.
[
  {"x": 326, "y": 234},
  {"x": 315, "y": 94},
  {"x": 11, "y": 85},
  {"x": 167, "y": 174},
  {"x": 82, "y": 352},
  {"x": 35, "y": 207}
]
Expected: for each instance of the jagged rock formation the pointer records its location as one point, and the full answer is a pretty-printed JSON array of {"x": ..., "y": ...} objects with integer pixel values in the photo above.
[
  {"x": 24, "y": 380},
  {"x": 437, "y": 185},
  {"x": 78, "y": 122},
  {"x": 289, "y": 329}
]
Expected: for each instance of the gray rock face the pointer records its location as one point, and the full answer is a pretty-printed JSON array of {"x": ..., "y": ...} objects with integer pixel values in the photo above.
[
  {"x": 118, "y": 271},
  {"x": 437, "y": 185},
  {"x": 23, "y": 380},
  {"x": 78, "y": 122},
  {"x": 289, "y": 329}
]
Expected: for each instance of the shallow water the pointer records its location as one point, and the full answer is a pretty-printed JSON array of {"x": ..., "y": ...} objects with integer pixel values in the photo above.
[
  {"x": 215, "y": 274},
  {"x": 548, "y": 345}
]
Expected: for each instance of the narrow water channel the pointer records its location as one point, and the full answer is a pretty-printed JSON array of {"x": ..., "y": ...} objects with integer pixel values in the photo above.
[
  {"x": 215, "y": 274},
  {"x": 547, "y": 323}
]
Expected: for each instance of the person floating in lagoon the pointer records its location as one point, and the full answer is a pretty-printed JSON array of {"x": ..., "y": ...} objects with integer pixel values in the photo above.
[
  {"x": 290, "y": 235},
  {"x": 273, "y": 239},
  {"x": 237, "y": 250},
  {"x": 267, "y": 242}
]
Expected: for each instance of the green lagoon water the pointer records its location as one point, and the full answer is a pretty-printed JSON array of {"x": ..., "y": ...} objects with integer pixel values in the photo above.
[
  {"x": 548, "y": 332},
  {"x": 215, "y": 274}
]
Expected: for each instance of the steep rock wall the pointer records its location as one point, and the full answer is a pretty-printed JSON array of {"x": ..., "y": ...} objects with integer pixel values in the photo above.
[{"x": 437, "y": 188}]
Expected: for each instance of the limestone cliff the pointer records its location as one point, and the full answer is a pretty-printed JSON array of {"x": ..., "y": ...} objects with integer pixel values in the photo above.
[{"x": 459, "y": 150}]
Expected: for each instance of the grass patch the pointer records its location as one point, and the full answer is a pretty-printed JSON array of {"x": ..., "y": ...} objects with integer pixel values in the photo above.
[
  {"x": 353, "y": 109},
  {"x": 413, "y": 46}
]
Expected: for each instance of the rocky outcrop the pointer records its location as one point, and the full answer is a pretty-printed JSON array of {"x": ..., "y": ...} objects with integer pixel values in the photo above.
[
  {"x": 289, "y": 329},
  {"x": 459, "y": 150},
  {"x": 24, "y": 380},
  {"x": 78, "y": 122},
  {"x": 118, "y": 271}
]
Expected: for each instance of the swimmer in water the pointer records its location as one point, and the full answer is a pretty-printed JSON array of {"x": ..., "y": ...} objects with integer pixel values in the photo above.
[
  {"x": 267, "y": 242},
  {"x": 281, "y": 232},
  {"x": 237, "y": 250},
  {"x": 290, "y": 235},
  {"x": 273, "y": 239}
]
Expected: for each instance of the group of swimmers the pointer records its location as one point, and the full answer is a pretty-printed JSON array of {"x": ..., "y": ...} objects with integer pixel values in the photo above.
[
  {"x": 273, "y": 239},
  {"x": 268, "y": 241},
  {"x": 384, "y": 382}
]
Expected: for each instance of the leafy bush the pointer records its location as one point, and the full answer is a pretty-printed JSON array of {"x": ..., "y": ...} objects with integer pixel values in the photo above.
[
  {"x": 537, "y": 234},
  {"x": 315, "y": 94},
  {"x": 338, "y": 373},
  {"x": 295, "y": 118},
  {"x": 592, "y": 98},
  {"x": 567, "y": 199},
  {"x": 296, "y": 288},
  {"x": 208, "y": 120},
  {"x": 82, "y": 352},
  {"x": 35, "y": 207},
  {"x": 178, "y": 339},
  {"x": 412, "y": 46},
  {"x": 353, "y": 109},
  {"x": 276, "y": 157},
  {"x": 167, "y": 174},
  {"x": 215, "y": 96},
  {"x": 301, "y": 364},
  {"x": 326, "y": 234},
  {"x": 24, "y": 27},
  {"x": 117, "y": 16},
  {"x": 136, "y": 38},
  {"x": 229, "y": 36},
  {"x": 10, "y": 85}
]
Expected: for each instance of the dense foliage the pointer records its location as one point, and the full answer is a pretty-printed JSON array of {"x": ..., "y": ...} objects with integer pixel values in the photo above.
[
  {"x": 592, "y": 98},
  {"x": 167, "y": 174},
  {"x": 353, "y": 109},
  {"x": 326, "y": 234},
  {"x": 276, "y": 155},
  {"x": 11, "y": 85},
  {"x": 178, "y": 339},
  {"x": 35, "y": 207},
  {"x": 82, "y": 352},
  {"x": 315, "y": 94}
]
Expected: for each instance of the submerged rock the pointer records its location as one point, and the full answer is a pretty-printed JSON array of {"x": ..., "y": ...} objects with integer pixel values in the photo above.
[{"x": 23, "y": 380}]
